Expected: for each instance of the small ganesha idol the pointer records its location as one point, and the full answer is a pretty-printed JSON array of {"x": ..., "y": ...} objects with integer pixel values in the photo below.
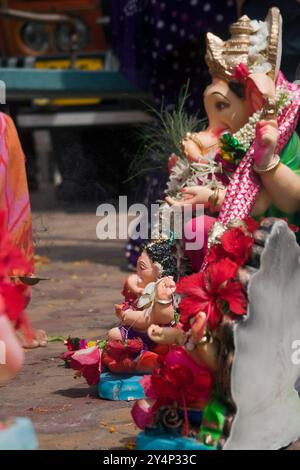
[
  {"x": 148, "y": 294},
  {"x": 149, "y": 298}
]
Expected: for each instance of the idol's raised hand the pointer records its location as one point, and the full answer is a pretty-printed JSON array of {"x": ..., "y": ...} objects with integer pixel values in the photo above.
[
  {"x": 266, "y": 142},
  {"x": 165, "y": 288}
]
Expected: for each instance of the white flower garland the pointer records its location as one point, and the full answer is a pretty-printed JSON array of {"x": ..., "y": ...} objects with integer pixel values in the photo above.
[
  {"x": 246, "y": 134},
  {"x": 258, "y": 46},
  {"x": 185, "y": 174}
]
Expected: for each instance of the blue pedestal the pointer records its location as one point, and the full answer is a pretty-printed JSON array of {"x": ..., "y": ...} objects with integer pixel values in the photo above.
[
  {"x": 19, "y": 436},
  {"x": 120, "y": 387},
  {"x": 164, "y": 441}
]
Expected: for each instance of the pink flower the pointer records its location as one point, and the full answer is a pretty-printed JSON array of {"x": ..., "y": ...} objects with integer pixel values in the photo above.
[
  {"x": 142, "y": 413},
  {"x": 88, "y": 362}
]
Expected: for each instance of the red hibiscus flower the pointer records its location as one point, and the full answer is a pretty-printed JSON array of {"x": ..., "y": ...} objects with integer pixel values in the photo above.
[
  {"x": 235, "y": 245},
  {"x": 240, "y": 73},
  {"x": 216, "y": 253},
  {"x": 212, "y": 292}
]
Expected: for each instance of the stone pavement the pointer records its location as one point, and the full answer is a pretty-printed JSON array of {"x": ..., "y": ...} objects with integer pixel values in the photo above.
[{"x": 86, "y": 281}]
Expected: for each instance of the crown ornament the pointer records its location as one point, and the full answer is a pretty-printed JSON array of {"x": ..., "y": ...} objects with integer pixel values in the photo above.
[{"x": 256, "y": 44}]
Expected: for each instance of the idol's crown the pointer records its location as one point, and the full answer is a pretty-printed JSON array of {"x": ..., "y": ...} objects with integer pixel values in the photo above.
[{"x": 257, "y": 44}]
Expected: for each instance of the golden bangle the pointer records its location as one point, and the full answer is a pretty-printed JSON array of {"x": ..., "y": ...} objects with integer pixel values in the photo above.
[
  {"x": 164, "y": 302},
  {"x": 213, "y": 200},
  {"x": 271, "y": 166}
]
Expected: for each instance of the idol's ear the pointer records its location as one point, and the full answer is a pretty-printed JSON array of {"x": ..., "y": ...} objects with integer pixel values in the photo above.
[{"x": 259, "y": 87}]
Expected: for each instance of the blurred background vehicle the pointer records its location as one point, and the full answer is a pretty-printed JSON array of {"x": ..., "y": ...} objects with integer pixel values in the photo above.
[
  {"x": 27, "y": 38},
  {"x": 69, "y": 101}
]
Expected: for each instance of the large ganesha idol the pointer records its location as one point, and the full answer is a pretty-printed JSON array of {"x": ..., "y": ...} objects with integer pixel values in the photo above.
[
  {"x": 149, "y": 298},
  {"x": 247, "y": 160},
  {"x": 245, "y": 164}
]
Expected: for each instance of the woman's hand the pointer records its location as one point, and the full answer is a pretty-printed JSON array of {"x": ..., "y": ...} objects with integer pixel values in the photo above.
[
  {"x": 191, "y": 197},
  {"x": 266, "y": 142}
]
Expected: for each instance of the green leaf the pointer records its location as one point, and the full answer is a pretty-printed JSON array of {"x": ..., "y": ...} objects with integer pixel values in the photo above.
[
  {"x": 56, "y": 339},
  {"x": 163, "y": 136}
]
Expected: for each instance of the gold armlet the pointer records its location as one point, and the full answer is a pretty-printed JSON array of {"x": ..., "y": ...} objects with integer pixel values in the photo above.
[
  {"x": 213, "y": 201},
  {"x": 164, "y": 302}
]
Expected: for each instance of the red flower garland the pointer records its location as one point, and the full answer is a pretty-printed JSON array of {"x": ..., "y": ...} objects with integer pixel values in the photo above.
[{"x": 213, "y": 292}]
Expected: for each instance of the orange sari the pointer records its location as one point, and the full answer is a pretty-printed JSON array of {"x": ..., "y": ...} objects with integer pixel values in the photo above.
[{"x": 14, "y": 195}]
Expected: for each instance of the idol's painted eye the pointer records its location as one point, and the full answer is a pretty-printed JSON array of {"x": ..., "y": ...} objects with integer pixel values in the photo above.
[
  {"x": 142, "y": 265},
  {"x": 220, "y": 105}
]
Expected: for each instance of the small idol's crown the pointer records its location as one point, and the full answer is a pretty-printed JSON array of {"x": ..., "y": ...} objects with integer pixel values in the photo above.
[{"x": 255, "y": 44}]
